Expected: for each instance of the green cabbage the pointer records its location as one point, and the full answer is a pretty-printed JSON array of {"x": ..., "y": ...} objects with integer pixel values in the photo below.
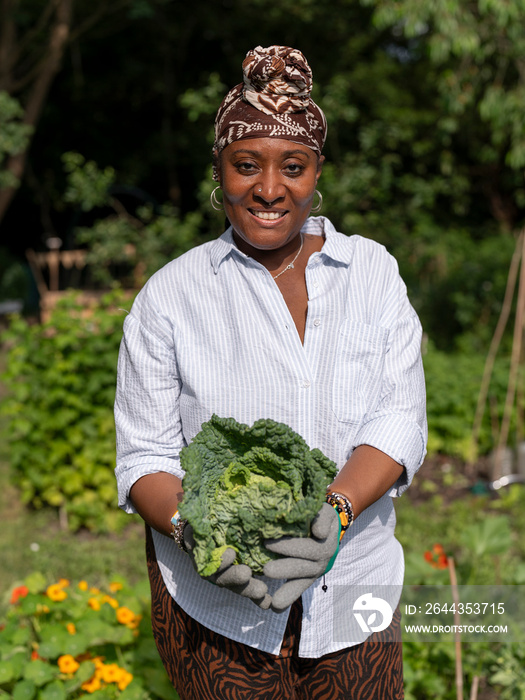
[{"x": 244, "y": 485}]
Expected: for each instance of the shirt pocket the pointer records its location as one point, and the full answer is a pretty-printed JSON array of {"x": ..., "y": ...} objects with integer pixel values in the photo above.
[{"x": 359, "y": 363}]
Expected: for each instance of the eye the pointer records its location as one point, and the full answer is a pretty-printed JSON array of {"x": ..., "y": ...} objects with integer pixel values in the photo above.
[
  {"x": 246, "y": 167},
  {"x": 294, "y": 169}
]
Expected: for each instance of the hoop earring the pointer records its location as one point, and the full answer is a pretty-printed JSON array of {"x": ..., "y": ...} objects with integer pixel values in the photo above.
[
  {"x": 318, "y": 206},
  {"x": 215, "y": 204}
]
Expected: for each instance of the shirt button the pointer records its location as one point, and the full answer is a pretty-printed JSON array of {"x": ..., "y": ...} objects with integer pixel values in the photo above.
[
  {"x": 317, "y": 322},
  {"x": 316, "y": 284},
  {"x": 306, "y": 384}
]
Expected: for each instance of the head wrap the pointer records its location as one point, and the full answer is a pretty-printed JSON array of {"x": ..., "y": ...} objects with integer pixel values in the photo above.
[{"x": 273, "y": 101}]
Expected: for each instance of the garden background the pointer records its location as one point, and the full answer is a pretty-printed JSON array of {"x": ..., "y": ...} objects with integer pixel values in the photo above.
[{"x": 106, "y": 114}]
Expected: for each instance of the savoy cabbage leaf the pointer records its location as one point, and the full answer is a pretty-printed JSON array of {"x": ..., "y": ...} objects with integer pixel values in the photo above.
[{"x": 244, "y": 485}]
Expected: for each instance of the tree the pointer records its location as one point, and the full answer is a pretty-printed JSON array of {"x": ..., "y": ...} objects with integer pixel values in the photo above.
[
  {"x": 33, "y": 39},
  {"x": 478, "y": 50}
]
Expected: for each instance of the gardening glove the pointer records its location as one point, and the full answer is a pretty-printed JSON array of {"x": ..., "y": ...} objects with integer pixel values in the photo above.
[
  {"x": 303, "y": 559},
  {"x": 236, "y": 577}
]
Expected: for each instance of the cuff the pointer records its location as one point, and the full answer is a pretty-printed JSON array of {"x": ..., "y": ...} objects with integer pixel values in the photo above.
[
  {"x": 127, "y": 475},
  {"x": 401, "y": 439}
]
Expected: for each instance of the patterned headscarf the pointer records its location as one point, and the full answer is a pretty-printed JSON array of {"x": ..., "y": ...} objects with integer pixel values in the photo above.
[{"x": 273, "y": 101}]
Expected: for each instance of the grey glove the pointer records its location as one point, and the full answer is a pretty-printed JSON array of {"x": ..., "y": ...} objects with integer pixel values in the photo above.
[
  {"x": 236, "y": 577},
  {"x": 304, "y": 559}
]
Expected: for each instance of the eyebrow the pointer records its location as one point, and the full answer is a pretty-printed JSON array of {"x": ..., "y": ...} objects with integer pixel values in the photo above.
[{"x": 286, "y": 154}]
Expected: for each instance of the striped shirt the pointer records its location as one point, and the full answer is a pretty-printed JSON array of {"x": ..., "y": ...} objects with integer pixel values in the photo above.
[{"x": 211, "y": 333}]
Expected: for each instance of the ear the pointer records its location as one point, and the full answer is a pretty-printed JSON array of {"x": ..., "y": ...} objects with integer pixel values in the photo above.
[{"x": 320, "y": 162}]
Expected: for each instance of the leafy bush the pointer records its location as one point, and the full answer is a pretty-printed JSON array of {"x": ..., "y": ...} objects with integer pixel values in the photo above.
[
  {"x": 61, "y": 380},
  {"x": 141, "y": 239},
  {"x": 70, "y": 641},
  {"x": 453, "y": 385}
]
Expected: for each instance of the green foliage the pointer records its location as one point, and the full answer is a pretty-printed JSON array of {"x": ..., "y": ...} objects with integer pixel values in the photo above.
[
  {"x": 61, "y": 381},
  {"x": 14, "y": 135},
  {"x": 453, "y": 385},
  {"x": 13, "y": 277},
  {"x": 244, "y": 485},
  {"x": 142, "y": 241},
  {"x": 479, "y": 46},
  {"x": 70, "y": 641},
  {"x": 88, "y": 185},
  {"x": 478, "y": 532}
]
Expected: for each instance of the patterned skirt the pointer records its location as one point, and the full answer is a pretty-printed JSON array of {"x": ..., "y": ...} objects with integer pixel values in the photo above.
[{"x": 204, "y": 665}]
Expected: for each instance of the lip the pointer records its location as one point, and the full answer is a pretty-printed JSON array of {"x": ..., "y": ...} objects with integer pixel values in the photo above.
[{"x": 268, "y": 217}]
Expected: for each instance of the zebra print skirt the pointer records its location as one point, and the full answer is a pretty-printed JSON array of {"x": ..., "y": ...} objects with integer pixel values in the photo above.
[{"x": 204, "y": 665}]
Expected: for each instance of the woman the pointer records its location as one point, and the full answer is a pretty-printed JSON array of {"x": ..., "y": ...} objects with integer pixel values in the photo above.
[{"x": 283, "y": 318}]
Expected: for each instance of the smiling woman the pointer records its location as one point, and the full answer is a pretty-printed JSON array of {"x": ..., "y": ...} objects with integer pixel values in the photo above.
[{"x": 280, "y": 318}]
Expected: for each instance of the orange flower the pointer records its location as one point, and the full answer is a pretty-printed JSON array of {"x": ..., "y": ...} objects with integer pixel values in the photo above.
[
  {"x": 63, "y": 583},
  {"x": 19, "y": 592},
  {"x": 56, "y": 592},
  {"x": 71, "y": 628},
  {"x": 125, "y": 616},
  {"x": 125, "y": 680},
  {"x": 442, "y": 562},
  {"x": 111, "y": 601},
  {"x": 67, "y": 664},
  {"x": 437, "y": 557},
  {"x": 135, "y": 622},
  {"x": 111, "y": 673},
  {"x": 115, "y": 586},
  {"x": 92, "y": 685},
  {"x": 34, "y": 655},
  {"x": 83, "y": 585},
  {"x": 94, "y": 603}
]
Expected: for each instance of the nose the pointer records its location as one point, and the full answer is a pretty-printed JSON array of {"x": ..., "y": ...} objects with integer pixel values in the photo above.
[{"x": 269, "y": 188}]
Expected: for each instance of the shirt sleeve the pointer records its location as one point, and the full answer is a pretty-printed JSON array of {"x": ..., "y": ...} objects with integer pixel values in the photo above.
[
  {"x": 147, "y": 418},
  {"x": 398, "y": 426}
]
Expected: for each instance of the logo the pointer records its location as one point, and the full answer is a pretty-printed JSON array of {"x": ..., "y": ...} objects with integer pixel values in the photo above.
[{"x": 367, "y": 602}]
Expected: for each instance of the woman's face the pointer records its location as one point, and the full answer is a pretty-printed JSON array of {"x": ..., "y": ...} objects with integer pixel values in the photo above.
[{"x": 268, "y": 186}]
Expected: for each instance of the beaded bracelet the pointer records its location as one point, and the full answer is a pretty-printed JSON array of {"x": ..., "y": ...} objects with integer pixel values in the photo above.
[
  {"x": 344, "y": 509},
  {"x": 177, "y": 531}
]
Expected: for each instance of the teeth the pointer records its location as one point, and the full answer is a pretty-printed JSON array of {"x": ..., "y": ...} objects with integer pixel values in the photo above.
[{"x": 268, "y": 215}]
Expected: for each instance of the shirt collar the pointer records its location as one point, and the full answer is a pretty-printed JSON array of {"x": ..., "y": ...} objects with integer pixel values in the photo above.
[{"x": 335, "y": 245}]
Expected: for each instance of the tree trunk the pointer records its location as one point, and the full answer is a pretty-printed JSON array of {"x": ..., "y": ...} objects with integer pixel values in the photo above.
[{"x": 50, "y": 65}]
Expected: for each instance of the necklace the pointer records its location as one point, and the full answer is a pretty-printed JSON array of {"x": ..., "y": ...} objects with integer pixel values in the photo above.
[{"x": 291, "y": 265}]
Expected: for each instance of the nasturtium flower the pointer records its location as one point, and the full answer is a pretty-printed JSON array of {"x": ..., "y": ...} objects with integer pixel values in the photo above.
[
  {"x": 91, "y": 685},
  {"x": 83, "y": 585},
  {"x": 115, "y": 586},
  {"x": 71, "y": 628},
  {"x": 125, "y": 680},
  {"x": 437, "y": 557},
  {"x": 135, "y": 622},
  {"x": 67, "y": 664},
  {"x": 63, "y": 583},
  {"x": 110, "y": 601},
  {"x": 94, "y": 603},
  {"x": 56, "y": 592},
  {"x": 125, "y": 616},
  {"x": 18, "y": 592},
  {"x": 111, "y": 673}
]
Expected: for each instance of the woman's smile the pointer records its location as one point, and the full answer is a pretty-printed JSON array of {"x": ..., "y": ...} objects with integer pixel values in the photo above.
[{"x": 267, "y": 215}]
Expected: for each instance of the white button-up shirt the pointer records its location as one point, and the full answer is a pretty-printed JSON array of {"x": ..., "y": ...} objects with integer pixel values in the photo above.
[{"x": 211, "y": 333}]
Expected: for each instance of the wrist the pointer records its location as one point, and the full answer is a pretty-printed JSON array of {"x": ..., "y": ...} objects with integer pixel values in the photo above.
[
  {"x": 177, "y": 530},
  {"x": 344, "y": 509}
]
